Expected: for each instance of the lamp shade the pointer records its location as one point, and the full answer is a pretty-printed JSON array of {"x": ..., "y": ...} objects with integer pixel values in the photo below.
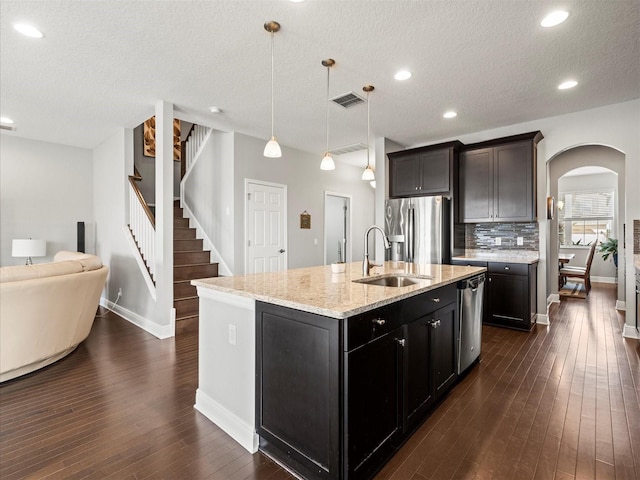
[
  {"x": 368, "y": 174},
  {"x": 28, "y": 248},
  {"x": 327, "y": 163},
  {"x": 272, "y": 149}
]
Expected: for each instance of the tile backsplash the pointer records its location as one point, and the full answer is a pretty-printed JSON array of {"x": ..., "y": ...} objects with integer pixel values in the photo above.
[
  {"x": 482, "y": 236},
  {"x": 636, "y": 237}
]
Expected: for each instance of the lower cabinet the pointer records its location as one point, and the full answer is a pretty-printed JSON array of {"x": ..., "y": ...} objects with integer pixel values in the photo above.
[
  {"x": 336, "y": 398},
  {"x": 373, "y": 403},
  {"x": 430, "y": 361},
  {"x": 510, "y": 293}
]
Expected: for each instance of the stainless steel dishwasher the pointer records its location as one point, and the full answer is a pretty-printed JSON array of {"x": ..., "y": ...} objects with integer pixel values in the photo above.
[{"x": 470, "y": 301}]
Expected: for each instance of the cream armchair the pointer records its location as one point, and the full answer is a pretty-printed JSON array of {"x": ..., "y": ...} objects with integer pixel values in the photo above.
[{"x": 46, "y": 310}]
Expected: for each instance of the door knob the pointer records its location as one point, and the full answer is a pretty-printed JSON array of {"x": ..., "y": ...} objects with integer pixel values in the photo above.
[{"x": 281, "y": 250}]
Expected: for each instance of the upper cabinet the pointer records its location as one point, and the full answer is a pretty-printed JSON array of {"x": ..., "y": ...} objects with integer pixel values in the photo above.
[
  {"x": 424, "y": 171},
  {"x": 497, "y": 180}
]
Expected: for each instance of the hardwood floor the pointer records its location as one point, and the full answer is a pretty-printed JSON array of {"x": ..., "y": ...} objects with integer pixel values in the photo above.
[{"x": 560, "y": 402}]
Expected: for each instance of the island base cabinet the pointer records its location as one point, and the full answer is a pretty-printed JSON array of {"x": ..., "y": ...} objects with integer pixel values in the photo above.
[
  {"x": 335, "y": 398},
  {"x": 372, "y": 413},
  {"x": 298, "y": 391},
  {"x": 430, "y": 362}
]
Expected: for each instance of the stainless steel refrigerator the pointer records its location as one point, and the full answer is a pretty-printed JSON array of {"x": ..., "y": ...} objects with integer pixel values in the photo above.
[{"x": 419, "y": 229}]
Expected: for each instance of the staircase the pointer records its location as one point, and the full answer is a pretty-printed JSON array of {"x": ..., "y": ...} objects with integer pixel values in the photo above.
[{"x": 190, "y": 262}]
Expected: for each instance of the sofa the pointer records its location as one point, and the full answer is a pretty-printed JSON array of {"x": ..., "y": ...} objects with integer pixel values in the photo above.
[{"x": 46, "y": 310}]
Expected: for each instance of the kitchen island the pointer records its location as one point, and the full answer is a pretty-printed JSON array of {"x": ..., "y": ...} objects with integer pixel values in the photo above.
[{"x": 326, "y": 374}]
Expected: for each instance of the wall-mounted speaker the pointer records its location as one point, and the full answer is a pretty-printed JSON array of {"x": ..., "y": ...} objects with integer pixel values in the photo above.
[{"x": 81, "y": 237}]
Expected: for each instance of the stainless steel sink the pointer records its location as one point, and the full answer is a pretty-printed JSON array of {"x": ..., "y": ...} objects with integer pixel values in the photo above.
[{"x": 391, "y": 281}]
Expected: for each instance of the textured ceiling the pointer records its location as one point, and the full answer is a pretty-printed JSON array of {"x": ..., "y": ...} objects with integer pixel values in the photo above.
[{"x": 104, "y": 64}]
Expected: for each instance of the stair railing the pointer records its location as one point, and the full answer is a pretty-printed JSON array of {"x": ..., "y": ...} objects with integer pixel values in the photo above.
[
  {"x": 192, "y": 144},
  {"x": 142, "y": 224}
]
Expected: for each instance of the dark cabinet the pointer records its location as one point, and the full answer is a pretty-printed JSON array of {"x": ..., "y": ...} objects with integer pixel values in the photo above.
[
  {"x": 298, "y": 405},
  {"x": 423, "y": 171},
  {"x": 372, "y": 412},
  {"x": 497, "y": 180},
  {"x": 335, "y": 398},
  {"x": 511, "y": 295},
  {"x": 430, "y": 361}
]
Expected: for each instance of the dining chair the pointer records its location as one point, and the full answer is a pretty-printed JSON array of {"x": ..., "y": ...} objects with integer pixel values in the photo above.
[{"x": 580, "y": 272}]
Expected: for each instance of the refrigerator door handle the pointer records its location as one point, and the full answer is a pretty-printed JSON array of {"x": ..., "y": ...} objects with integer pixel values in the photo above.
[{"x": 410, "y": 234}]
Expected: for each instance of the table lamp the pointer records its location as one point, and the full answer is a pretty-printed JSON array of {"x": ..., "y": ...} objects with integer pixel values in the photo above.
[{"x": 28, "y": 248}]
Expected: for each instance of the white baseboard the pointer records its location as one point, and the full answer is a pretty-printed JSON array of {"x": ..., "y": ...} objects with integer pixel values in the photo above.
[
  {"x": 630, "y": 331},
  {"x": 543, "y": 319},
  {"x": 240, "y": 431},
  {"x": 621, "y": 305},
  {"x": 553, "y": 298},
  {"x": 154, "y": 329},
  {"x": 603, "y": 279}
]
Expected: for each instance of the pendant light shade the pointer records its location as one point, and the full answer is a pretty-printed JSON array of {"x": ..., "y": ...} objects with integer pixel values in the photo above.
[
  {"x": 327, "y": 162},
  {"x": 272, "y": 148},
  {"x": 368, "y": 173}
]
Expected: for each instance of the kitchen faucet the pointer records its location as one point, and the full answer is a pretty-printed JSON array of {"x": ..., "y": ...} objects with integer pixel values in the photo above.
[{"x": 366, "y": 264}]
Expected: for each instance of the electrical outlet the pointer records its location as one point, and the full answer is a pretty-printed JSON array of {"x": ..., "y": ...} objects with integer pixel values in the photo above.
[
  {"x": 520, "y": 241},
  {"x": 498, "y": 241},
  {"x": 232, "y": 334}
]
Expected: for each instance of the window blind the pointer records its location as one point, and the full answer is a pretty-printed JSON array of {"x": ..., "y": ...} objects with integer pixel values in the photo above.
[{"x": 586, "y": 205}]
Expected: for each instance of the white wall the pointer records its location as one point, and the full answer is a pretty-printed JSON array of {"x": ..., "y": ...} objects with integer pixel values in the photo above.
[
  {"x": 111, "y": 167},
  {"x": 617, "y": 126},
  {"x": 45, "y": 189},
  {"x": 306, "y": 184},
  {"x": 208, "y": 193}
]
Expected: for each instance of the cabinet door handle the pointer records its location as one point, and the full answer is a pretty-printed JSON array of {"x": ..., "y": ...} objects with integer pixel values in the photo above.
[
  {"x": 379, "y": 321},
  {"x": 435, "y": 323},
  {"x": 401, "y": 341},
  {"x": 507, "y": 268},
  {"x": 436, "y": 300}
]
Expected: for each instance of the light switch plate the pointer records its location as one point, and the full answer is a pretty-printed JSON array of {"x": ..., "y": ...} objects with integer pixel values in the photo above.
[
  {"x": 498, "y": 241},
  {"x": 520, "y": 241}
]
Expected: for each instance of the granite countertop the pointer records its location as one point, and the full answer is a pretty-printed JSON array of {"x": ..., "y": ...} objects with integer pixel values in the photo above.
[
  {"x": 510, "y": 256},
  {"x": 318, "y": 290}
]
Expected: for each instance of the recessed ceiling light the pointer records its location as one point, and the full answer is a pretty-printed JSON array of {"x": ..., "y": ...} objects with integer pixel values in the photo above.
[
  {"x": 28, "y": 30},
  {"x": 554, "y": 18},
  {"x": 450, "y": 114},
  {"x": 568, "y": 84},
  {"x": 215, "y": 109},
  {"x": 6, "y": 120},
  {"x": 402, "y": 75}
]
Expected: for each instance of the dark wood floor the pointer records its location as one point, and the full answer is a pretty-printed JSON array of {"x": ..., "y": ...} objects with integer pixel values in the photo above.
[{"x": 560, "y": 402}]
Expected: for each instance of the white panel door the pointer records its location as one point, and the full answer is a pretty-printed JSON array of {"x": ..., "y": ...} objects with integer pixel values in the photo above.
[{"x": 266, "y": 228}]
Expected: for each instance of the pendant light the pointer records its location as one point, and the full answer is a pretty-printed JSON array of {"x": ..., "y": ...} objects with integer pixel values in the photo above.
[
  {"x": 327, "y": 162},
  {"x": 272, "y": 148},
  {"x": 368, "y": 172}
]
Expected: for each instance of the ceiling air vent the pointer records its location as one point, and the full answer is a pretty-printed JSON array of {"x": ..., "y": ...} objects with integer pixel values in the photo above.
[
  {"x": 348, "y": 149},
  {"x": 348, "y": 100}
]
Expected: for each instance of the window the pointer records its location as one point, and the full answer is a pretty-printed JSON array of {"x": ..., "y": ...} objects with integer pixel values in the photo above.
[{"x": 584, "y": 217}]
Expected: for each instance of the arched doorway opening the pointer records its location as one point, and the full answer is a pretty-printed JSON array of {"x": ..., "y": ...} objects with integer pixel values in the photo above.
[{"x": 581, "y": 157}]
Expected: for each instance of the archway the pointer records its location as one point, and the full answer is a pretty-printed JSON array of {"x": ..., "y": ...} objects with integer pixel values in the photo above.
[{"x": 561, "y": 164}]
